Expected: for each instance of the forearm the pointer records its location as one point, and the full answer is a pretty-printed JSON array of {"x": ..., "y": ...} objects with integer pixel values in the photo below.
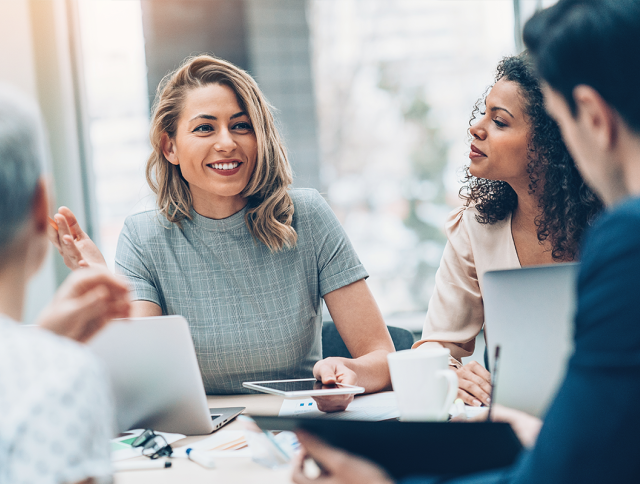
[{"x": 372, "y": 370}]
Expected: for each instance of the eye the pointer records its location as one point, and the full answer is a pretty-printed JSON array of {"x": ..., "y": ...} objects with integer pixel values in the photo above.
[
  {"x": 500, "y": 124},
  {"x": 242, "y": 126},
  {"x": 482, "y": 113},
  {"x": 203, "y": 128}
]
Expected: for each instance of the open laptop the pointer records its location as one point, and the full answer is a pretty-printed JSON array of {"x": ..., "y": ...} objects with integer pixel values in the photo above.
[
  {"x": 529, "y": 313},
  {"x": 155, "y": 376}
]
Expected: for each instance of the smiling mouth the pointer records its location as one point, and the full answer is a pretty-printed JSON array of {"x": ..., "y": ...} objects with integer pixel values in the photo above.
[{"x": 225, "y": 166}]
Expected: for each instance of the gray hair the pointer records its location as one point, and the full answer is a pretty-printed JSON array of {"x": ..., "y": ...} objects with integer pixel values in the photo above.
[{"x": 22, "y": 152}]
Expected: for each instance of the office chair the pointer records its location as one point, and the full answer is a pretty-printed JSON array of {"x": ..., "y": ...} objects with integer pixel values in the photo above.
[{"x": 332, "y": 344}]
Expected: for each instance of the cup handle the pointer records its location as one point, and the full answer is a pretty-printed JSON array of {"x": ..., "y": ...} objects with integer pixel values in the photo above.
[{"x": 452, "y": 379}]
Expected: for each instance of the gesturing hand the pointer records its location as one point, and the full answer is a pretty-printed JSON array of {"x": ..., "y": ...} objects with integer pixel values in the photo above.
[
  {"x": 74, "y": 245},
  {"x": 474, "y": 384},
  {"x": 333, "y": 370},
  {"x": 85, "y": 302},
  {"x": 338, "y": 467}
]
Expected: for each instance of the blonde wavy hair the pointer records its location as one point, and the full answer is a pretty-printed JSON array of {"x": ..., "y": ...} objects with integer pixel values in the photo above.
[{"x": 270, "y": 208}]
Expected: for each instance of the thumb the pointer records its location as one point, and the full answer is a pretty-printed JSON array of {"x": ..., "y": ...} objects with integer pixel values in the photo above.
[{"x": 325, "y": 372}]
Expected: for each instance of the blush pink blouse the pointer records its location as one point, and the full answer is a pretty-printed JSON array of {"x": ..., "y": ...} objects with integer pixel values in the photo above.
[{"x": 456, "y": 315}]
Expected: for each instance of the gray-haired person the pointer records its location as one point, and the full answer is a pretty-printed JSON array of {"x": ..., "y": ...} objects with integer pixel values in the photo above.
[{"x": 55, "y": 407}]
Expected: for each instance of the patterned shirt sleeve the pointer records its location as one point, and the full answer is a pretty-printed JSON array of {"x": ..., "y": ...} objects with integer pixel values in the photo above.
[
  {"x": 131, "y": 261},
  {"x": 338, "y": 263}
]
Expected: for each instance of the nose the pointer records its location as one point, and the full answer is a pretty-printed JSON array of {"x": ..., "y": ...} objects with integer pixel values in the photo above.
[
  {"x": 224, "y": 141},
  {"x": 478, "y": 131}
]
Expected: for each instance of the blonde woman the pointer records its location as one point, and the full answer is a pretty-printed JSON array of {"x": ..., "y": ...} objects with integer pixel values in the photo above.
[{"x": 244, "y": 258}]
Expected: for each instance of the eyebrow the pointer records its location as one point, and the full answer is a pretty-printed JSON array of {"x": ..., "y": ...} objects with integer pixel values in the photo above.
[
  {"x": 496, "y": 108},
  {"x": 213, "y": 118}
]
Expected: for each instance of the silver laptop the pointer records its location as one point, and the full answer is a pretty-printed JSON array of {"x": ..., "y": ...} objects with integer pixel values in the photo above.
[
  {"x": 529, "y": 313},
  {"x": 155, "y": 376}
]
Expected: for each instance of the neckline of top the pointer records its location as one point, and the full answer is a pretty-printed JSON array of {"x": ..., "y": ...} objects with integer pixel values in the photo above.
[{"x": 232, "y": 222}]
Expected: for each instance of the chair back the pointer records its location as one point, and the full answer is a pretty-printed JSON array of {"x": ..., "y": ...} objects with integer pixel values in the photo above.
[{"x": 332, "y": 344}]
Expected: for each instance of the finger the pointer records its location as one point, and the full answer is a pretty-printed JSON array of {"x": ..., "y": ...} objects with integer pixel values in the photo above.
[
  {"x": 467, "y": 398},
  {"x": 474, "y": 389},
  {"x": 324, "y": 372},
  {"x": 71, "y": 251},
  {"x": 298, "y": 475},
  {"x": 481, "y": 371},
  {"x": 63, "y": 226},
  {"x": 83, "y": 281},
  {"x": 72, "y": 222},
  {"x": 467, "y": 374},
  {"x": 345, "y": 375}
]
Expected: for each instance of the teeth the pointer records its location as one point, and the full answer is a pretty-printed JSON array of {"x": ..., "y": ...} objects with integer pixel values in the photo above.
[{"x": 225, "y": 166}]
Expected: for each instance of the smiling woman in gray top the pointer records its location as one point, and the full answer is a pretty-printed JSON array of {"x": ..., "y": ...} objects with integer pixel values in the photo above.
[{"x": 244, "y": 258}]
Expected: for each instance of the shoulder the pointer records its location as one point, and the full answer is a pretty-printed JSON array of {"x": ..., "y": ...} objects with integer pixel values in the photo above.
[
  {"x": 308, "y": 203},
  {"x": 615, "y": 234},
  {"x": 148, "y": 225},
  {"x": 307, "y": 198},
  {"x": 462, "y": 224}
]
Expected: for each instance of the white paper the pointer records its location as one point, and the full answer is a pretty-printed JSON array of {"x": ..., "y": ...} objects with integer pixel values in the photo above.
[
  {"x": 374, "y": 407},
  {"x": 122, "y": 451},
  {"x": 223, "y": 443}
]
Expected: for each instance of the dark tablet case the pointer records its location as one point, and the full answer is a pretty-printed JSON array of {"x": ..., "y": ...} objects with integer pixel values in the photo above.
[{"x": 414, "y": 448}]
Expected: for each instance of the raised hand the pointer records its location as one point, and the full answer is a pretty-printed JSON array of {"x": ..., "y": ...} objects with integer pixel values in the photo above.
[
  {"x": 85, "y": 302},
  {"x": 73, "y": 244}
]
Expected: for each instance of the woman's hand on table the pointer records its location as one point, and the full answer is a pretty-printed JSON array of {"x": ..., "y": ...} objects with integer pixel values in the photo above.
[
  {"x": 337, "y": 466},
  {"x": 474, "y": 384},
  {"x": 73, "y": 244},
  {"x": 330, "y": 371}
]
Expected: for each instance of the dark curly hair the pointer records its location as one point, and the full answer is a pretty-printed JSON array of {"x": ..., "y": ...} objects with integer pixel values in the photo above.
[{"x": 567, "y": 205}]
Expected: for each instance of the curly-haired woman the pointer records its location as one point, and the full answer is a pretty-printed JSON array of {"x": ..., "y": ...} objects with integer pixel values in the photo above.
[
  {"x": 525, "y": 204},
  {"x": 244, "y": 258}
]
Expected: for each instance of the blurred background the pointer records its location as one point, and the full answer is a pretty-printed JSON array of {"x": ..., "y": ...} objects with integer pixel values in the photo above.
[{"x": 373, "y": 98}]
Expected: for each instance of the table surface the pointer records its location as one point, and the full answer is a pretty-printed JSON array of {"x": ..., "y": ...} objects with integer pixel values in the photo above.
[{"x": 232, "y": 469}]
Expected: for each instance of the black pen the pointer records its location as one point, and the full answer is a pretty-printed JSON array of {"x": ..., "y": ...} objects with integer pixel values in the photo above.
[{"x": 494, "y": 378}]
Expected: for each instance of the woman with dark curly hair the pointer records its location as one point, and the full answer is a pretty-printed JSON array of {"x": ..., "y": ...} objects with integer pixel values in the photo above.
[{"x": 525, "y": 204}]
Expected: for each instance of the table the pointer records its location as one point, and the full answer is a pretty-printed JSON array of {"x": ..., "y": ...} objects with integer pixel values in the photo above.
[{"x": 232, "y": 469}]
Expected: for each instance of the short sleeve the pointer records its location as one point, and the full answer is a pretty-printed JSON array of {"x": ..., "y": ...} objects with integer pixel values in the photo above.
[
  {"x": 65, "y": 437},
  {"x": 338, "y": 263},
  {"x": 456, "y": 313},
  {"x": 131, "y": 262}
]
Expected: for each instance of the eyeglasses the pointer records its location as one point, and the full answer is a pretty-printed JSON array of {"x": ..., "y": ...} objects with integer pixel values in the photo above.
[{"x": 153, "y": 445}]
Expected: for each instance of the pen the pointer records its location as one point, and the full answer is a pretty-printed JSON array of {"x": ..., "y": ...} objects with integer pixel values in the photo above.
[
  {"x": 494, "y": 378},
  {"x": 141, "y": 465},
  {"x": 200, "y": 458}
]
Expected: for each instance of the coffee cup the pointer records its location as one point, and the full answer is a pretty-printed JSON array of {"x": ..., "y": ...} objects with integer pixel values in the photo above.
[{"x": 424, "y": 386}]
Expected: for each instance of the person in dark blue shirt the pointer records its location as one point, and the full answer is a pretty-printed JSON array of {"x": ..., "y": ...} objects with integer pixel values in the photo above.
[{"x": 588, "y": 54}]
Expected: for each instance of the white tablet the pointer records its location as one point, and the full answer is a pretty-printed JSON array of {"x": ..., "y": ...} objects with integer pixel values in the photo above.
[{"x": 307, "y": 387}]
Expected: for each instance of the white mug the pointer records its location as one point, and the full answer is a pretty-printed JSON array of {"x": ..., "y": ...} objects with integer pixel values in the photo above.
[{"x": 424, "y": 386}]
